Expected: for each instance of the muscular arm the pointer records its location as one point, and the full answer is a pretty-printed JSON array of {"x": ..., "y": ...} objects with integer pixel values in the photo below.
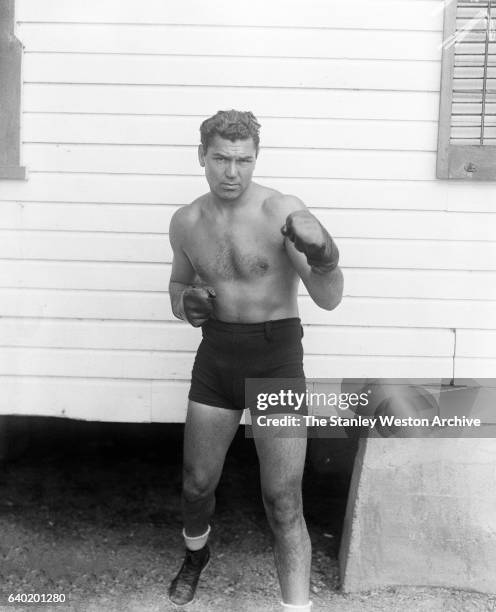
[
  {"x": 325, "y": 289},
  {"x": 324, "y": 286},
  {"x": 190, "y": 302},
  {"x": 183, "y": 273}
]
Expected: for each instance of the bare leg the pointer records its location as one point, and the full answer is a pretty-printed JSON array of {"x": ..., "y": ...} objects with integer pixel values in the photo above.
[
  {"x": 207, "y": 436},
  {"x": 208, "y": 433},
  {"x": 281, "y": 469}
]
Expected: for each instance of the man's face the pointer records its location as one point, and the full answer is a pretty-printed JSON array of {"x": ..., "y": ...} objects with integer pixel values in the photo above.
[{"x": 228, "y": 166}]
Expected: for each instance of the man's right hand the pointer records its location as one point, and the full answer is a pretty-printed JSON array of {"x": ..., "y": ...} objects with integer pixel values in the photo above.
[{"x": 198, "y": 304}]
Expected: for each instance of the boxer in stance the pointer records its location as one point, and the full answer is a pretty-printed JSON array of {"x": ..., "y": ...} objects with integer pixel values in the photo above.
[{"x": 249, "y": 245}]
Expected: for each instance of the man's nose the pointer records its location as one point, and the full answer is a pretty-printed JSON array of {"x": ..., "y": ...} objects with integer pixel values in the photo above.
[{"x": 231, "y": 169}]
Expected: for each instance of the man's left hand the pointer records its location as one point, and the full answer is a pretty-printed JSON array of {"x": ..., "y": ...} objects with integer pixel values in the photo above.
[{"x": 311, "y": 238}]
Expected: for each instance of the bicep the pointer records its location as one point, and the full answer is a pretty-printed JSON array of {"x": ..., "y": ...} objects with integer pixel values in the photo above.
[{"x": 182, "y": 269}]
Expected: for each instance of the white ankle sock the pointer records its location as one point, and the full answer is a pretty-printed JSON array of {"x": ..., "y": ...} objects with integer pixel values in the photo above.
[
  {"x": 296, "y": 608},
  {"x": 197, "y": 542}
]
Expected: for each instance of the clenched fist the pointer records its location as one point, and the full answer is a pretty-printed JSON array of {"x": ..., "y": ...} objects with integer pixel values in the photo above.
[
  {"x": 197, "y": 303},
  {"x": 311, "y": 238}
]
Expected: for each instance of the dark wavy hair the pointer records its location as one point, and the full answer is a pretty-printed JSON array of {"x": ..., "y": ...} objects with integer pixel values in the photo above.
[{"x": 232, "y": 125}]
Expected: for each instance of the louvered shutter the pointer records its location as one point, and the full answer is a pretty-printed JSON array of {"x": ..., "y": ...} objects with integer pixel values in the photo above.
[{"x": 467, "y": 124}]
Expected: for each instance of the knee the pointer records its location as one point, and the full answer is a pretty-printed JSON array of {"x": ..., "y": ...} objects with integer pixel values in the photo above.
[
  {"x": 284, "y": 508},
  {"x": 197, "y": 485}
]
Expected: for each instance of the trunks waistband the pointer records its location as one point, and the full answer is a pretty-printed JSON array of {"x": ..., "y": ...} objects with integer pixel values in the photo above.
[{"x": 250, "y": 328}]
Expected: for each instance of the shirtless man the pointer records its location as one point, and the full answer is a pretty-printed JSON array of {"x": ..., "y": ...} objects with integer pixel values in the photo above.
[{"x": 250, "y": 246}]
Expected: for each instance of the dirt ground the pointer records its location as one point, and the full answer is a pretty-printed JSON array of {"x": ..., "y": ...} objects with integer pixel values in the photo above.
[{"x": 92, "y": 511}]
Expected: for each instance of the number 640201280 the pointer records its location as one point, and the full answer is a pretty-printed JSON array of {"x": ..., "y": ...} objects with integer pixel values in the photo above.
[{"x": 36, "y": 598}]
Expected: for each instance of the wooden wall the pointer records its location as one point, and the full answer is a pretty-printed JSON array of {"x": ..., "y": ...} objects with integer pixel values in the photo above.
[{"x": 347, "y": 94}]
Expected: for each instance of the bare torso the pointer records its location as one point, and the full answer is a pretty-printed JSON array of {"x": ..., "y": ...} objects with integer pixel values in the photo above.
[{"x": 240, "y": 252}]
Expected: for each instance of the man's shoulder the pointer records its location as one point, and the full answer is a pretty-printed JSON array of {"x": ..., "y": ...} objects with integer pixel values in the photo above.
[
  {"x": 185, "y": 217},
  {"x": 282, "y": 204},
  {"x": 183, "y": 222}
]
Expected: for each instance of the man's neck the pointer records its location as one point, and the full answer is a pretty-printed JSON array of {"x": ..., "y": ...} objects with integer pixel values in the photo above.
[{"x": 231, "y": 206}]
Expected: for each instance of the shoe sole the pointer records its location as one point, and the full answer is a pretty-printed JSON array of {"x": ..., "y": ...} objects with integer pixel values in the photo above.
[{"x": 194, "y": 596}]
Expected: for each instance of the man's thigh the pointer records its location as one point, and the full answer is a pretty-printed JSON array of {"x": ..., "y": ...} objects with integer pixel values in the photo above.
[
  {"x": 282, "y": 461},
  {"x": 208, "y": 433}
]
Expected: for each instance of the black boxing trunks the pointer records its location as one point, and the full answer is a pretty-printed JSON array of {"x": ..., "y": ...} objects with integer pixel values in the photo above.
[{"x": 231, "y": 352}]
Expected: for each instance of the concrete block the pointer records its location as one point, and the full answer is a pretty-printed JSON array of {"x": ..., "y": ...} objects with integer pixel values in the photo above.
[{"x": 421, "y": 511}]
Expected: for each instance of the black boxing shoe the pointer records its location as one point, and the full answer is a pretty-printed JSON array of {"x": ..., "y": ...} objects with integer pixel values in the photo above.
[{"x": 183, "y": 587}]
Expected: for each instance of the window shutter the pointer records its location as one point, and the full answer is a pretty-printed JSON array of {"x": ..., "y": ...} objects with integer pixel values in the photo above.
[
  {"x": 467, "y": 122},
  {"x": 10, "y": 95}
]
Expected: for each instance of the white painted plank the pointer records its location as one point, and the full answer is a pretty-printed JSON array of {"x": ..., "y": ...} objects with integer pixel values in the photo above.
[
  {"x": 87, "y": 217},
  {"x": 184, "y": 131},
  {"x": 177, "y": 366},
  {"x": 169, "y": 401},
  {"x": 476, "y": 343},
  {"x": 82, "y": 275},
  {"x": 204, "y": 101},
  {"x": 332, "y": 193},
  {"x": 182, "y": 337},
  {"x": 111, "y": 276},
  {"x": 472, "y": 367},
  {"x": 84, "y": 304},
  {"x": 429, "y": 284},
  {"x": 82, "y": 246},
  {"x": 386, "y": 312},
  {"x": 412, "y": 225},
  {"x": 379, "y": 14},
  {"x": 111, "y": 335},
  {"x": 361, "y": 253},
  {"x": 341, "y": 223},
  {"x": 232, "y": 71},
  {"x": 378, "y": 367},
  {"x": 92, "y": 400},
  {"x": 319, "y": 164},
  {"x": 95, "y": 364},
  {"x": 403, "y": 313},
  {"x": 418, "y": 254},
  {"x": 215, "y": 40}
]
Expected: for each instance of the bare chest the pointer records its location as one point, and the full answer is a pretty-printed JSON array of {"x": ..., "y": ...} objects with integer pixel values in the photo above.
[{"x": 239, "y": 254}]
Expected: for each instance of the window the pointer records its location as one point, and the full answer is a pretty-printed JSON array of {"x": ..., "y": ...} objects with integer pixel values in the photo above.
[
  {"x": 467, "y": 123},
  {"x": 10, "y": 95}
]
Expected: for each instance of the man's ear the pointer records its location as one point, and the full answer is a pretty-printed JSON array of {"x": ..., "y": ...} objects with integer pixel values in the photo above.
[{"x": 201, "y": 155}]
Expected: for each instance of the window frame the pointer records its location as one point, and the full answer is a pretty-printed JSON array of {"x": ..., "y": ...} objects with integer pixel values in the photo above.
[{"x": 10, "y": 95}]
